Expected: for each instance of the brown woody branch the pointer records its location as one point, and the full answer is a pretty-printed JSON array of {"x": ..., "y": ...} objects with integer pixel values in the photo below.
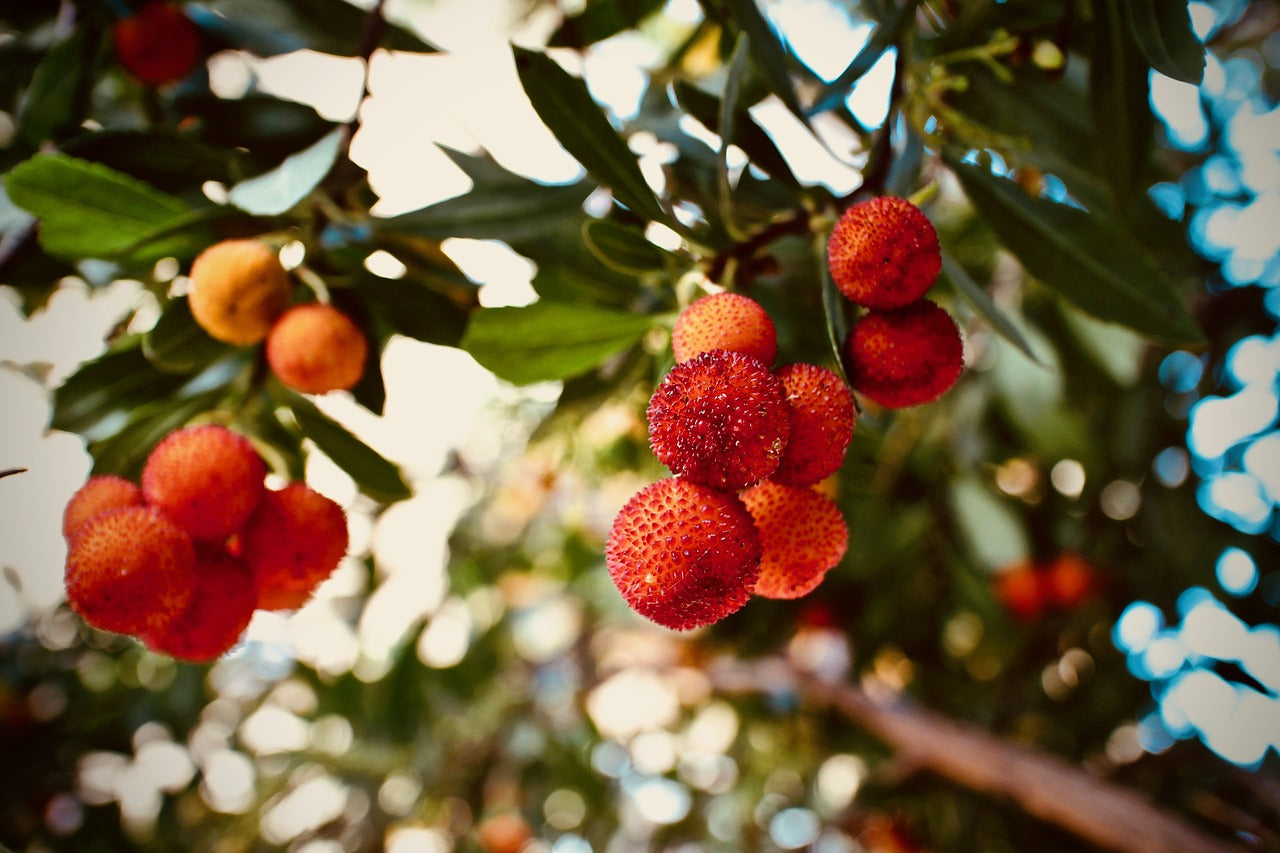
[{"x": 1106, "y": 814}]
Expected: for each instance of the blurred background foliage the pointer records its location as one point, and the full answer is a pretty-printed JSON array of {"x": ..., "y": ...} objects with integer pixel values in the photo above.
[{"x": 1104, "y": 180}]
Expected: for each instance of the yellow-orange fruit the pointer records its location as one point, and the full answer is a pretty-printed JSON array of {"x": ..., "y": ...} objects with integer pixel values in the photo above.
[
  {"x": 904, "y": 357},
  {"x": 158, "y": 44},
  {"x": 207, "y": 478},
  {"x": 822, "y": 422},
  {"x": 219, "y": 611},
  {"x": 720, "y": 419},
  {"x": 724, "y": 321},
  {"x": 883, "y": 253},
  {"x": 238, "y": 289},
  {"x": 98, "y": 494},
  {"x": 316, "y": 348},
  {"x": 683, "y": 555},
  {"x": 802, "y": 536},
  {"x": 129, "y": 570},
  {"x": 294, "y": 541}
]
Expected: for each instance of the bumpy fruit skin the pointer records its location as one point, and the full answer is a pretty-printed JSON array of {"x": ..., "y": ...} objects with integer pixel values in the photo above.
[
  {"x": 1020, "y": 588},
  {"x": 315, "y": 348},
  {"x": 294, "y": 541},
  {"x": 219, "y": 611},
  {"x": 207, "y": 478},
  {"x": 883, "y": 253},
  {"x": 822, "y": 423},
  {"x": 157, "y": 45},
  {"x": 130, "y": 570},
  {"x": 724, "y": 320},
  {"x": 802, "y": 536},
  {"x": 683, "y": 555},
  {"x": 238, "y": 290},
  {"x": 720, "y": 420},
  {"x": 98, "y": 494},
  {"x": 904, "y": 357}
]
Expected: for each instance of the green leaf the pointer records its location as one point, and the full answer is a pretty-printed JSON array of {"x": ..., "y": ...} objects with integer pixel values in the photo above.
[
  {"x": 276, "y": 191},
  {"x": 1085, "y": 257},
  {"x": 414, "y": 310},
  {"x": 602, "y": 19},
  {"x": 964, "y": 284},
  {"x": 884, "y": 36},
  {"x": 1119, "y": 99},
  {"x": 87, "y": 210},
  {"x": 566, "y": 107},
  {"x": 746, "y": 133},
  {"x": 274, "y": 27},
  {"x": 110, "y": 385},
  {"x": 269, "y": 128},
  {"x": 177, "y": 344},
  {"x": 376, "y": 477},
  {"x": 58, "y": 97},
  {"x": 623, "y": 247},
  {"x": 993, "y": 531},
  {"x": 549, "y": 340},
  {"x": 833, "y": 308},
  {"x": 728, "y": 108},
  {"x": 164, "y": 159},
  {"x": 1162, "y": 30},
  {"x": 771, "y": 58},
  {"x": 125, "y": 450}
]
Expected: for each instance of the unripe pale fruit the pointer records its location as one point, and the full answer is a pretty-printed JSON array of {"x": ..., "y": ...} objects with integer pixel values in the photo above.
[
  {"x": 238, "y": 289},
  {"x": 219, "y": 611},
  {"x": 157, "y": 45},
  {"x": 822, "y": 422},
  {"x": 683, "y": 555},
  {"x": 207, "y": 478},
  {"x": 720, "y": 419},
  {"x": 802, "y": 536},
  {"x": 904, "y": 357},
  {"x": 315, "y": 348},
  {"x": 98, "y": 494},
  {"x": 294, "y": 541},
  {"x": 724, "y": 321},
  {"x": 883, "y": 253},
  {"x": 130, "y": 570}
]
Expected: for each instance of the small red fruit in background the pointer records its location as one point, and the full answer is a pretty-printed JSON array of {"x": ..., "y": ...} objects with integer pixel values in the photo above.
[
  {"x": 720, "y": 419},
  {"x": 683, "y": 555},
  {"x": 130, "y": 570},
  {"x": 905, "y": 357},
  {"x": 158, "y": 44},
  {"x": 98, "y": 494},
  {"x": 802, "y": 536},
  {"x": 1069, "y": 580},
  {"x": 219, "y": 611},
  {"x": 724, "y": 320},
  {"x": 315, "y": 348},
  {"x": 883, "y": 253},
  {"x": 1020, "y": 589},
  {"x": 206, "y": 478},
  {"x": 822, "y": 422},
  {"x": 294, "y": 540}
]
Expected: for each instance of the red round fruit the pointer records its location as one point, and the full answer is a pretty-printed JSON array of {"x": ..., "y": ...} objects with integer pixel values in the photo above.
[
  {"x": 98, "y": 494},
  {"x": 724, "y": 320},
  {"x": 683, "y": 555},
  {"x": 802, "y": 536},
  {"x": 1020, "y": 588},
  {"x": 883, "y": 253},
  {"x": 1069, "y": 580},
  {"x": 219, "y": 611},
  {"x": 206, "y": 478},
  {"x": 294, "y": 541},
  {"x": 822, "y": 422},
  {"x": 720, "y": 420},
  {"x": 904, "y": 357},
  {"x": 157, "y": 45},
  {"x": 130, "y": 570}
]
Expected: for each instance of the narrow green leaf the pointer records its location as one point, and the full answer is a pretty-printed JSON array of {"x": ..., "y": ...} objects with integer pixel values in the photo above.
[
  {"x": 413, "y": 309},
  {"x": 565, "y": 105},
  {"x": 376, "y": 477},
  {"x": 58, "y": 96},
  {"x": 274, "y": 192},
  {"x": 1085, "y": 257},
  {"x": 274, "y": 27},
  {"x": 601, "y": 19},
  {"x": 165, "y": 159},
  {"x": 1162, "y": 30},
  {"x": 549, "y": 340},
  {"x": 177, "y": 344},
  {"x": 883, "y": 37},
  {"x": 124, "y": 450},
  {"x": 833, "y": 307},
  {"x": 772, "y": 59},
  {"x": 728, "y": 108},
  {"x": 746, "y": 133},
  {"x": 102, "y": 389},
  {"x": 623, "y": 247},
  {"x": 983, "y": 304},
  {"x": 87, "y": 210},
  {"x": 1119, "y": 100}
]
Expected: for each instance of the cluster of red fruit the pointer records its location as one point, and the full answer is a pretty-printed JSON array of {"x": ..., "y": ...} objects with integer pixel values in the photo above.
[
  {"x": 240, "y": 294},
  {"x": 748, "y": 443},
  {"x": 1029, "y": 589},
  {"x": 182, "y": 560}
]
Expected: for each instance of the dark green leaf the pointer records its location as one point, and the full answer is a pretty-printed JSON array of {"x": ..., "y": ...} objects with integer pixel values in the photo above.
[
  {"x": 602, "y": 19},
  {"x": 1086, "y": 258},
  {"x": 728, "y": 109},
  {"x": 125, "y": 450},
  {"x": 983, "y": 304},
  {"x": 771, "y": 58},
  {"x": 1119, "y": 99},
  {"x": 746, "y": 133},
  {"x": 164, "y": 159},
  {"x": 58, "y": 97},
  {"x": 376, "y": 477},
  {"x": 833, "y": 308},
  {"x": 115, "y": 382},
  {"x": 273, "y": 27},
  {"x": 623, "y": 247},
  {"x": 87, "y": 210},
  {"x": 885, "y": 35},
  {"x": 270, "y": 128},
  {"x": 177, "y": 344},
  {"x": 414, "y": 310},
  {"x": 276, "y": 191},
  {"x": 566, "y": 107},
  {"x": 549, "y": 340},
  {"x": 1162, "y": 30}
]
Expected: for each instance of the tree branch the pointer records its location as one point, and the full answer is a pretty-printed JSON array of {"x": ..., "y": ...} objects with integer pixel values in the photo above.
[{"x": 1108, "y": 815}]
